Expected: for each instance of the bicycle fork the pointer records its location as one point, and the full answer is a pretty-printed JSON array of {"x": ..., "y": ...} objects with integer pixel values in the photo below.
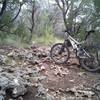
[{"x": 63, "y": 47}]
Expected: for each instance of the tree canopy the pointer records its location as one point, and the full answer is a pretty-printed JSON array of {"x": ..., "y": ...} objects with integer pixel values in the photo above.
[{"x": 26, "y": 18}]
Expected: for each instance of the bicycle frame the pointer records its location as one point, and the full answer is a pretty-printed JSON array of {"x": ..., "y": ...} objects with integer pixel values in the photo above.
[
  {"x": 73, "y": 42},
  {"x": 76, "y": 45}
]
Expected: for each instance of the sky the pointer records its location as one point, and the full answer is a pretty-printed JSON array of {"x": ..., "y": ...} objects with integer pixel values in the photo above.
[{"x": 43, "y": 3}]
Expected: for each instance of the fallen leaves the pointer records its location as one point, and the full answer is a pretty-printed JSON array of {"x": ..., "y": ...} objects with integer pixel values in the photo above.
[
  {"x": 35, "y": 67},
  {"x": 60, "y": 71}
]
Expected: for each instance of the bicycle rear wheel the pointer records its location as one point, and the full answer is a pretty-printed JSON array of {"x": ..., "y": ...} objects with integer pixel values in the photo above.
[
  {"x": 59, "y": 53},
  {"x": 91, "y": 63}
]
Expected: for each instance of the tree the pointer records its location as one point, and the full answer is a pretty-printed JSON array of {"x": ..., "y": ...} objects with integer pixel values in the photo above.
[
  {"x": 32, "y": 17},
  {"x": 96, "y": 19},
  {"x": 7, "y": 13},
  {"x": 96, "y": 14},
  {"x": 72, "y": 12}
]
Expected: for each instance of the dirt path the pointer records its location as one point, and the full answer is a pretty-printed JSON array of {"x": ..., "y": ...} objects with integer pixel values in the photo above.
[
  {"x": 63, "y": 77},
  {"x": 60, "y": 80}
]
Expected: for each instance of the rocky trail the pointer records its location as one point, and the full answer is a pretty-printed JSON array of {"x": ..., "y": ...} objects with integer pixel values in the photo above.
[{"x": 30, "y": 74}]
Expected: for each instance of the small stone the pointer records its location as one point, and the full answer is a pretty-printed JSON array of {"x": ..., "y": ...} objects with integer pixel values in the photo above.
[
  {"x": 43, "y": 68},
  {"x": 49, "y": 97},
  {"x": 71, "y": 80},
  {"x": 63, "y": 98}
]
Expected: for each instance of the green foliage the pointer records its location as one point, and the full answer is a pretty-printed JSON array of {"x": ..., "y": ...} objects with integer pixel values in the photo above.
[
  {"x": 14, "y": 41},
  {"x": 96, "y": 14},
  {"x": 97, "y": 37},
  {"x": 21, "y": 33},
  {"x": 44, "y": 22},
  {"x": 46, "y": 39},
  {"x": 5, "y": 21},
  {"x": 2, "y": 37},
  {"x": 97, "y": 5},
  {"x": 46, "y": 34}
]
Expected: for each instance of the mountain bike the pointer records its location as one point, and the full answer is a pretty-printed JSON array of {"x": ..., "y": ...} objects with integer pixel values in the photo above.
[{"x": 89, "y": 56}]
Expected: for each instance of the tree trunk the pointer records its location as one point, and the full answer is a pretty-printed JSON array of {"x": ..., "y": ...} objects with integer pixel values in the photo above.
[
  {"x": 33, "y": 23},
  {"x": 4, "y": 5},
  {"x": 65, "y": 22}
]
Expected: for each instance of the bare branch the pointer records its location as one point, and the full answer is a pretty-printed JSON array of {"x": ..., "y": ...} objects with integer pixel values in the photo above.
[
  {"x": 12, "y": 20},
  {"x": 63, "y": 3},
  {"x": 17, "y": 13},
  {"x": 67, "y": 8},
  {"x": 77, "y": 10},
  {"x": 58, "y": 3}
]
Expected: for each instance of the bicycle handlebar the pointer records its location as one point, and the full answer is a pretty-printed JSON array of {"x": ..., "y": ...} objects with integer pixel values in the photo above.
[{"x": 86, "y": 36}]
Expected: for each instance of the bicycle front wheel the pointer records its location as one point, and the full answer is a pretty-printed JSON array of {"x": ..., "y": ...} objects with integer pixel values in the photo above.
[{"x": 59, "y": 53}]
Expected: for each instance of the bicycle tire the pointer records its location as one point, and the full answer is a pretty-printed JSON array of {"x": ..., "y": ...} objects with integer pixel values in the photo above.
[
  {"x": 85, "y": 61},
  {"x": 60, "y": 61}
]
